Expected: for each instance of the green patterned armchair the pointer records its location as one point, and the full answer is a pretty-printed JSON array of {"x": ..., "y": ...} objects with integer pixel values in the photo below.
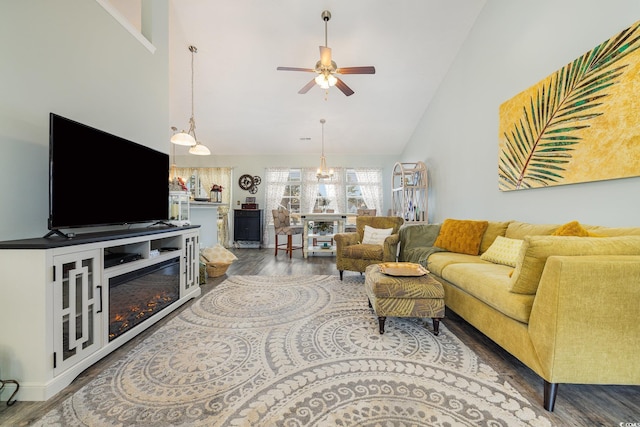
[{"x": 354, "y": 255}]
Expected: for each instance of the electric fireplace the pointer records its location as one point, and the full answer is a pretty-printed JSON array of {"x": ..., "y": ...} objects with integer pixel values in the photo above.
[{"x": 136, "y": 296}]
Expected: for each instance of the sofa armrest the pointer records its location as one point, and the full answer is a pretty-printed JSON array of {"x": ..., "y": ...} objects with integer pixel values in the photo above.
[
  {"x": 584, "y": 320},
  {"x": 390, "y": 248},
  {"x": 417, "y": 236}
]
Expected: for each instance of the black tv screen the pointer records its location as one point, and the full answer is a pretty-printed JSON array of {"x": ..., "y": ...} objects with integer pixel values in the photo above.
[{"x": 96, "y": 178}]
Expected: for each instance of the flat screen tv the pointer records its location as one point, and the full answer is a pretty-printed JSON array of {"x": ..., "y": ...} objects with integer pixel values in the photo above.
[{"x": 96, "y": 178}]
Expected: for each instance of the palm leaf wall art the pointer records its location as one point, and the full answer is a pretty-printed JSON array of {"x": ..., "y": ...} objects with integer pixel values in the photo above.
[{"x": 580, "y": 124}]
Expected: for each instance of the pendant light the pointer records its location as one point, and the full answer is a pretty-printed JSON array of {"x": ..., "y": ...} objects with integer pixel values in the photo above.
[
  {"x": 323, "y": 172},
  {"x": 189, "y": 138}
]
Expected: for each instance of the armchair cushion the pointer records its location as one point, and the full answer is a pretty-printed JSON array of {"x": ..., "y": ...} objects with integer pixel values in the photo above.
[{"x": 364, "y": 251}]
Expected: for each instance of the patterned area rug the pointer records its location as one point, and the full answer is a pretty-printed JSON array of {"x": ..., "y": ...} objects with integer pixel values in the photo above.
[{"x": 295, "y": 351}]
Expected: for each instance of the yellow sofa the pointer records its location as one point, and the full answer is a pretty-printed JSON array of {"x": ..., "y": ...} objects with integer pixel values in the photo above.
[{"x": 568, "y": 309}]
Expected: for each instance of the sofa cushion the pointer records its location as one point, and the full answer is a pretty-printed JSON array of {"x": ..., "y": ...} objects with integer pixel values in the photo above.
[
  {"x": 363, "y": 251},
  {"x": 494, "y": 229},
  {"x": 612, "y": 231},
  {"x": 503, "y": 251},
  {"x": 437, "y": 262},
  {"x": 536, "y": 249},
  {"x": 461, "y": 236},
  {"x": 490, "y": 284},
  {"x": 375, "y": 236},
  {"x": 518, "y": 230}
]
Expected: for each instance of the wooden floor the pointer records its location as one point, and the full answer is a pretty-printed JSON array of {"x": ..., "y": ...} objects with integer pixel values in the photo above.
[{"x": 576, "y": 405}]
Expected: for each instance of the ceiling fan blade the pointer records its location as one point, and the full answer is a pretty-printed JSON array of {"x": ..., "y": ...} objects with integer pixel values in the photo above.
[
  {"x": 344, "y": 88},
  {"x": 311, "y": 70},
  {"x": 357, "y": 70},
  {"x": 325, "y": 56},
  {"x": 308, "y": 86}
]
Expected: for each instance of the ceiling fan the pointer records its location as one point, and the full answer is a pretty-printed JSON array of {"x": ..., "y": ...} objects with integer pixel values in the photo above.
[{"x": 327, "y": 69}]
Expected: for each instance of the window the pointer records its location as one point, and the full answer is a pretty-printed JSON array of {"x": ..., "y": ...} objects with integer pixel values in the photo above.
[
  {"x": 363, "y": 189},
  {"x": 299, "y": 191},
  {"x": 292, "y": 191}
]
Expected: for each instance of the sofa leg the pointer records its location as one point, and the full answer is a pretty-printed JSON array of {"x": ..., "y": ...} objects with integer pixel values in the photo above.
[
  {"x": 341, "y": 271},
  {"x": 436, "y": 326},
  {"x": 550, "y": 393},
  {"x": 381, "y": 320}
]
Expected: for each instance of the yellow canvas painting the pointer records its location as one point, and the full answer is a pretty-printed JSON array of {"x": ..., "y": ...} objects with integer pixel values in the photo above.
[{"x": 580, "y": 124}]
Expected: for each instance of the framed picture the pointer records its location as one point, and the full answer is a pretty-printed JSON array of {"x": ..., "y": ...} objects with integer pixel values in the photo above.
[{"x": 250, "y": 200}]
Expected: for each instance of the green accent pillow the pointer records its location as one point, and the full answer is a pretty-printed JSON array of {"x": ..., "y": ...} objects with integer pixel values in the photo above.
[
  {"x": 461, "y": 236},
  {"x": 503, "y": 251}
]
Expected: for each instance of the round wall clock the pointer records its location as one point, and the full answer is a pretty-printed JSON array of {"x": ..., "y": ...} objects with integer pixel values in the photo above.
[{"x": 245, "y": 181}]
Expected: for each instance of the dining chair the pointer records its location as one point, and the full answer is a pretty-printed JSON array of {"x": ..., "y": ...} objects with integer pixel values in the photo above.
[{"x": 282, "y": 226}]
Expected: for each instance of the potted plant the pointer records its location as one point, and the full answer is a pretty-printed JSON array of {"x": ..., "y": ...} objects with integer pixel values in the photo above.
[{"x": 324, "y": 228}]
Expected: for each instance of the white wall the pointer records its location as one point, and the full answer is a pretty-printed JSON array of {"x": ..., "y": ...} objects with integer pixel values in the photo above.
[
  {"x": 514, "y": 45},
  {"x": 73, "y": 58}
]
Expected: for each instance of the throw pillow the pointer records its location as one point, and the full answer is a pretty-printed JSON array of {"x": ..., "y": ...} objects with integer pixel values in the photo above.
[
  {"x": 536, "y": 249},
  {"x": 375, "y": 236},
  {"x": 218, "y": 253},
  {"x": 461, "y": 236},
  {"x": 572, "y": 228},
  {"x": 503, "y": 251}
]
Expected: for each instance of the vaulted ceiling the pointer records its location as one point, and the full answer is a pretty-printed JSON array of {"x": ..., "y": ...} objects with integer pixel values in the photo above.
[{"x": 243, "y": 105}]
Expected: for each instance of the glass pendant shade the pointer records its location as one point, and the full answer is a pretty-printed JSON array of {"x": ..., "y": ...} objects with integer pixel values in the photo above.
[
  {"x": 199, "y": 150},
  {"x": 189, "y": 138},
  {"x": 323, "y": 172},
  {"x": 183, "y": 138}
]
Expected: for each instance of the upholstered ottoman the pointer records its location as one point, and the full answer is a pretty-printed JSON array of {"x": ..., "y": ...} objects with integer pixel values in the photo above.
[{"x": 407, "y": 294}]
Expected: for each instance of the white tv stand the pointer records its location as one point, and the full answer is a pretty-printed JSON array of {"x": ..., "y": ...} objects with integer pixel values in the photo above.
[{"x": 51, "y": 288}]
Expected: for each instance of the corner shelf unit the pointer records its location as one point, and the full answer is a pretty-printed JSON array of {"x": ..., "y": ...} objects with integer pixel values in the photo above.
[{"x": 409, "y": 192}]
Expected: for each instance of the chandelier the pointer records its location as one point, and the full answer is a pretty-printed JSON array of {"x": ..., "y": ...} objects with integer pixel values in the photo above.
[
  {"x": 189, "y": 138},
  {"x": 323, "y": 172}
]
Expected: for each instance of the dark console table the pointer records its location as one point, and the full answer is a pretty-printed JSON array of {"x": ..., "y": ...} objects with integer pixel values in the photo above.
[{"x": 247, "y": 225}]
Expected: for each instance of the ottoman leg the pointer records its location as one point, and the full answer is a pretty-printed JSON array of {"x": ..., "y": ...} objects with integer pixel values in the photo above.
[
  {"x": 381, "y": 320},
  {"x": 436, "y": 326}
]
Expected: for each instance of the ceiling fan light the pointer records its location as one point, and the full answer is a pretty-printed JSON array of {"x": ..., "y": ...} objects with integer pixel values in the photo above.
[
  {"x": 200, "y": 150},
  {"x": 183, "y": 138},
  {"x": 326, "y": 81}
]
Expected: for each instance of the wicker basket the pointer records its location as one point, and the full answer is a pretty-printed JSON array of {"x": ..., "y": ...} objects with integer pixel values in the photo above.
[{"x": 217, "y": 269}]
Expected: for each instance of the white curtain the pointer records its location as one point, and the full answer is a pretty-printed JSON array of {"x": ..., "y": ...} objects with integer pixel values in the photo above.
[
  {"x": 208, "y": 177},
  {"x": 337, "y": 191},
  {"x": 370, "y": 181},
  {"x": 276, "y": 182},
  {"x": 309, "y": 190}
]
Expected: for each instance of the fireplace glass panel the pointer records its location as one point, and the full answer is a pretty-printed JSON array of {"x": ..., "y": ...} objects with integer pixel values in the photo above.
[{"x": 136, "y": 296}]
